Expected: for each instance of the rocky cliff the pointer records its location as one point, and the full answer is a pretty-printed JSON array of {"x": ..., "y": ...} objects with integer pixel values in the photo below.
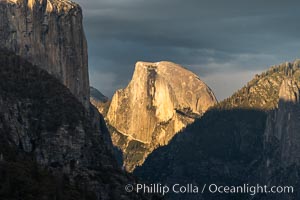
[
  {"x": 49, "y": 34},
  {"x": 262, "y": 92},
  {"x": 286, "y": 126},
  {"x": 251, "y": 137},
  {"x": 160, "y": 100},
  {"x": 281, "y": 140},
  {"x": 50, "y": 146}
]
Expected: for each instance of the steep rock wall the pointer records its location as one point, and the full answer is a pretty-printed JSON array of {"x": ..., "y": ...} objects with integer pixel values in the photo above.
[
  {"x": 44, "y": 126},
  {"x": 49, "y": 34}
]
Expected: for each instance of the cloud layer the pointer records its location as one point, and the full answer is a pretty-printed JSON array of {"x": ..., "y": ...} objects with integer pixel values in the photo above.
[{"x": 224, "y": 42}]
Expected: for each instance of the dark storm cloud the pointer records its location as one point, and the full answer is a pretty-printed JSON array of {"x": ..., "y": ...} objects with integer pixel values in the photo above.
[{"x": 215, "y": 39}]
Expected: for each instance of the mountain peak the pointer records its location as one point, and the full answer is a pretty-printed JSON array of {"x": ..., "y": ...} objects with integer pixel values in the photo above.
[
  {"x": 99, "y": 100},
  {"x": 163, "y": 66},
  {"x": 97, "y": 95},
  {"x": 160, "y": 100},
  {"x": 186, "y": 86}
]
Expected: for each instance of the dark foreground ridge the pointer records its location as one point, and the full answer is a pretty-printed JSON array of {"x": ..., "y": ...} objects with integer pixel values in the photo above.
[{"x": 50, "y": 148}]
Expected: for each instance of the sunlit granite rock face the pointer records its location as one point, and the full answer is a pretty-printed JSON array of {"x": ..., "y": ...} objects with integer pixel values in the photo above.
[
  {"x": 160, "y": 100},
  {"x": 289, "y": 92},
  {"x": 262, "y": 92},
  {"x": 49, "y": 34}
]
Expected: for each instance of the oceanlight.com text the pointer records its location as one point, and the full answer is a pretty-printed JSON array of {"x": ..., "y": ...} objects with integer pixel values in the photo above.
[{"x": 164, "y": 189}]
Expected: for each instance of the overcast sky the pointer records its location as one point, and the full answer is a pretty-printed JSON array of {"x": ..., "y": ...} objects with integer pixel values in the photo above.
[{"x": 225, "y": 42}]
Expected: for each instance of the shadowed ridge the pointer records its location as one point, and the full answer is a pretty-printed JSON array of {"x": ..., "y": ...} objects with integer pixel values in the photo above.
[
  {"x": 228, "y": 145},
  {"x": 49, "y": 147}
]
